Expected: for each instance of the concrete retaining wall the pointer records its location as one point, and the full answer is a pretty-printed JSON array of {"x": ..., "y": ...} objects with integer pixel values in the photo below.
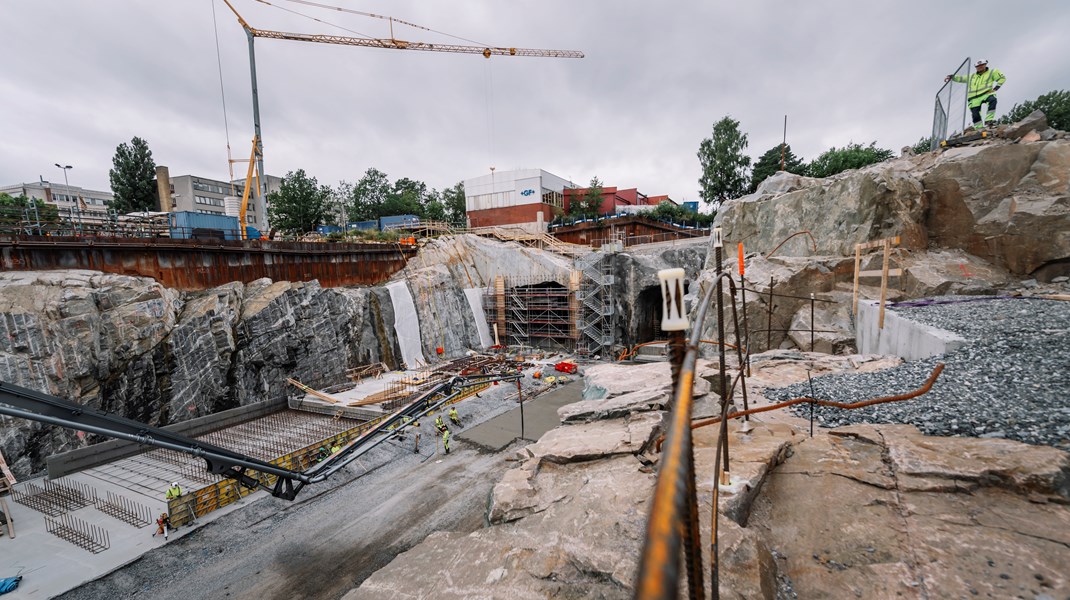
[{"x": 900, "y": 336}]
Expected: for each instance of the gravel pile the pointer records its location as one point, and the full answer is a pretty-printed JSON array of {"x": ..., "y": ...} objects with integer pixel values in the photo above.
[{"x": 1011, "y": 380}]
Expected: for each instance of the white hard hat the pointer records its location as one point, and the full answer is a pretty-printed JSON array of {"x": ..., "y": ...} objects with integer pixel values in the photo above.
[
  {"x": 175, "y": 484},
  {"x": 981, "y": 62}
]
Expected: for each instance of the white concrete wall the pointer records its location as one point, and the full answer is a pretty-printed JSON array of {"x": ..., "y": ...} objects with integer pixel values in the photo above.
[{"x": 900, "y": 336}]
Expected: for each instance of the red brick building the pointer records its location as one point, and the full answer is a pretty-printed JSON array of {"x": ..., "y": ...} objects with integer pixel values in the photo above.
[{"x": 614, "y": 198}]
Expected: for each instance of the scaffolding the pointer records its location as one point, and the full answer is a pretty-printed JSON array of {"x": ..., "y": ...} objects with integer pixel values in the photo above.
[
  {"x": 597, "y": 321},
  {"x": 534, "y": 313}
]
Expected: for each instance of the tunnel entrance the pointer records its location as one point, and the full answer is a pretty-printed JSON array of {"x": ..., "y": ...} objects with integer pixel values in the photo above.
[{"x": 648, "y": 315}]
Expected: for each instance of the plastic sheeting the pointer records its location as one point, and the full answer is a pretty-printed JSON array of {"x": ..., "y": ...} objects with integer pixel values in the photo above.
[
  {"x": 406, "y": 325},
  {"x": 475, "y": 301}
]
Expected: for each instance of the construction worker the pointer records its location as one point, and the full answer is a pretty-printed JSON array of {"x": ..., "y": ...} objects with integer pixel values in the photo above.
[
  {"x": 322, "y": 454},
  {"x": 456, "y": 418},
  {"x": 163, "y": 525},
  {"x": 446, "y": 439},
  {"x": 981, "y": 88},
  {"x": 336, "y": 448},
  {"x": 173, "y": 492},
  {"x": 440, "y": 425}
]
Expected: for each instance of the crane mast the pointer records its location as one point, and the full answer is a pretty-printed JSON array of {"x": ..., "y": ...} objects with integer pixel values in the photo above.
[{"x": 390, "y": 43}]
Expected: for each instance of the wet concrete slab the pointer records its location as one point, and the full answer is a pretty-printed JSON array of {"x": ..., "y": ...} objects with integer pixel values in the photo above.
[{"x": 540, "y": 416}]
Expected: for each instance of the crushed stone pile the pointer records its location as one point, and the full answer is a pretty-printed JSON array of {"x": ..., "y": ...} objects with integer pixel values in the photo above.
[{"x": 1009, "y": 380}]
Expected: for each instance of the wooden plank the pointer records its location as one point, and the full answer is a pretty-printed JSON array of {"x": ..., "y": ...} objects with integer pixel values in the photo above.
[
  {"x": 10, "y": 520},
  {"x": 879, "y": 243},
  {"x": 858, "y": 262},
  {"x": 881, "y": 273},
  {"x": 308, "y": 390},
  {"x": 884, "y": 281},
  {"x": 6, "y": 472}
]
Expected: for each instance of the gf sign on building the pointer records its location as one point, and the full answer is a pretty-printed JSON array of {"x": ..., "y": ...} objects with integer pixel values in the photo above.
[{"x": 527, "y": 192}]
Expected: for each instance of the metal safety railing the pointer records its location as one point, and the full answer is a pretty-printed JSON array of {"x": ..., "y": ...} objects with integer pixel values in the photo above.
[{"x": 949, "y": 112}]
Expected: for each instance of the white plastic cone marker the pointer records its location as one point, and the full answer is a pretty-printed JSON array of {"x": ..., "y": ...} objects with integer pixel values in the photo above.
[{"x": 672, "y": 300}]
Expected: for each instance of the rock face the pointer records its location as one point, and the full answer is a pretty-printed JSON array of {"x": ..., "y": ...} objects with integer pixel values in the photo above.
[
  {"x": 918, "y": 517},
  {"x": 131, "y": 347},
  {"x": 1007, "y": 203},
  {"x": 840, "y": 211}
]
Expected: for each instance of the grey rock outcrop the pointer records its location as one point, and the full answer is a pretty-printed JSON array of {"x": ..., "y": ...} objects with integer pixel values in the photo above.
[
  {"x": 1008, "y": 204},
  {"x": 129, "y": 346},
  {"x": 840, "y": 211}
]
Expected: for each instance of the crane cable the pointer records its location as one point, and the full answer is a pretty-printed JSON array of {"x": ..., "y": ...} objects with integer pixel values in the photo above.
[
  {"x": 386, "y": 18},
  {"x": 329, "y": 24},
  {"x": 223, "y": 97}
]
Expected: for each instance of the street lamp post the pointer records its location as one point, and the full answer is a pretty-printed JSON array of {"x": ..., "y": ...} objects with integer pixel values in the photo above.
[{"x": 69, "y": 196}]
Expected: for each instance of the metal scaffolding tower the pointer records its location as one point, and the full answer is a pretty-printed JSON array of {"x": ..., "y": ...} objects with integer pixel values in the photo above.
[
  {"x": 534, "y": 314},
  {"x": 597, "y": 321}
]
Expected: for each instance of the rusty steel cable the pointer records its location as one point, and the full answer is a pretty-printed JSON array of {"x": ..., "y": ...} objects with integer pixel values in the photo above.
[
  {"x": 773, "y": 251},
  {"x": 845, "y": 405},
  {"x": 674, "y": 491}
]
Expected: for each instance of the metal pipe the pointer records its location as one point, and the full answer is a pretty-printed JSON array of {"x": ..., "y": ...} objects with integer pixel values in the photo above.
[
  {"x": 845, "y": 405},
  {"x": 784, "y": 241}
]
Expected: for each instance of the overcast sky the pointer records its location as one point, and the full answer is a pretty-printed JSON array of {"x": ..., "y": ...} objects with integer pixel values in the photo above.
[{"x": 78, "y": 78}]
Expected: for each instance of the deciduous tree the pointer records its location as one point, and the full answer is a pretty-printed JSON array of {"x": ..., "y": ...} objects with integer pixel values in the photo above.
[
  {"x": 724, "y": 166},
  {"x": 453, "y": 200},
  {"x": 1055, "y": 105},
  {"x": 300, "y": 204},
  {"x": 851, "y": 156}
]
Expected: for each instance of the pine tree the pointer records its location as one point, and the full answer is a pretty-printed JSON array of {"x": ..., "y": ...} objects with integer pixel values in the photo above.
[
  {"x": 132, "y": 178},
  {"x": 769, "y": 164}
]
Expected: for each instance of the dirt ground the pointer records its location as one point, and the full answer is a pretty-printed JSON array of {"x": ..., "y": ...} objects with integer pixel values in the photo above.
[{"x": 334, "y": 535}]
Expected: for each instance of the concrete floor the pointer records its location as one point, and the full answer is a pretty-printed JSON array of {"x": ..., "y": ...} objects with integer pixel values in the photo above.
[
  {"x": 52, "y": 565},
  {"x": 539, "y": 416}
]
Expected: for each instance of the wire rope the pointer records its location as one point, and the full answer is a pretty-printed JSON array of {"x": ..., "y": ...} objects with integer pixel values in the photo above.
[
  {"x": 386, "y": 18},
  {"x": 223, "y": 96}
]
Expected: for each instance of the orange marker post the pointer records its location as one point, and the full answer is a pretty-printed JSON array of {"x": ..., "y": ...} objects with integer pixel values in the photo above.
[{"x": 741, "y": 259}]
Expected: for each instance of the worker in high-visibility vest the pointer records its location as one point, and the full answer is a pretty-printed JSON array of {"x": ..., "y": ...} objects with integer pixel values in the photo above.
[
  {"x": 456, "y": 418},
  {"x": 446, "y": 439},
  {"x": 981, "y": 88},
  {"x": 440, "y": 425},
  {"x": 173, "y": 492}
]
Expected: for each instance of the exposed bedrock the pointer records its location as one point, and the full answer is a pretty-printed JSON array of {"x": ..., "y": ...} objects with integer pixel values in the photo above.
[
  {"x": 129, "y": 346},
  {"x": 1006, "y": 203}
]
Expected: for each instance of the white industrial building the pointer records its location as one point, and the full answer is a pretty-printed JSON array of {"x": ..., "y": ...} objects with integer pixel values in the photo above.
[{"x": 524, "y": 197}]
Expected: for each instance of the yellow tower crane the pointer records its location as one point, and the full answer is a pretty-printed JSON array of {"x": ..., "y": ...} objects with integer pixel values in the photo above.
[{"x": 392, "y": 43}]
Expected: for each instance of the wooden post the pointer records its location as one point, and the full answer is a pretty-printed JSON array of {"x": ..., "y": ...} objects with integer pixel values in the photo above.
[
  {"x": 858, "y": 265},
  {"x": 884, "y": 280}
]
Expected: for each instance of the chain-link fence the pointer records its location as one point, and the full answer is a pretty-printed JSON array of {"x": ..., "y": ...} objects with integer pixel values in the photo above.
[{"x": 949, "y": 115}]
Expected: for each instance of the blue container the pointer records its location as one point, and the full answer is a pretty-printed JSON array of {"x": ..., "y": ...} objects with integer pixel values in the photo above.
[
  {"x": 328, "y": 229},
  {"x": 252, "y": 233},
  {"x": 396, "y": 220},
  {"x": 186, "y": 225},
  {"x": 691, "y": 206},
  {"x": 363, "y": 225}
]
